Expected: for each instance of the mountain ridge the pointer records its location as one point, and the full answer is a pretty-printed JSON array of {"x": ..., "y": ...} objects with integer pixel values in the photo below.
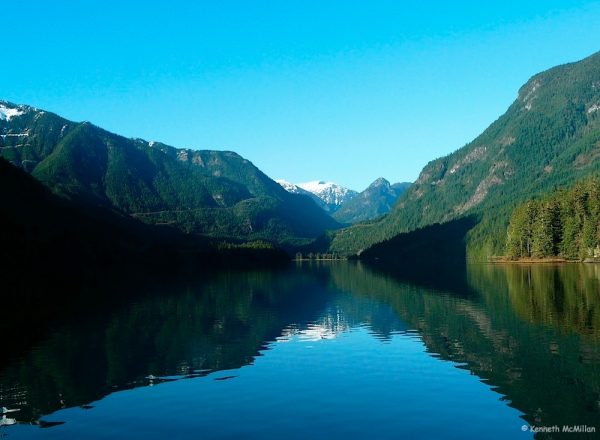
[
  {"x": 332, "y": 194},
  {"x": 549, "y": 136},
  {"x": 215, "y": 193},
  {"x": 376, "y": 200},
  {"x": 295, "y": 189},
  {"x": 348, "y": 206}
]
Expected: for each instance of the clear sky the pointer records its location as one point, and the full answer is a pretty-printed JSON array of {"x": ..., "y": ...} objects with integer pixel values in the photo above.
[{"x": 344, "y": 91}]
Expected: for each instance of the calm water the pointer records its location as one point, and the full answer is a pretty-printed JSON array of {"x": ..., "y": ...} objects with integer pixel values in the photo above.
[{"x": 320, "y": 351}]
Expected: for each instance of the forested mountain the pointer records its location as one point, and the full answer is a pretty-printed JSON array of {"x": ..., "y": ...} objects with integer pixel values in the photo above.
[
  {"x": 549, "y": 136},
  {"x": 58, "y": 240},
  {"x": 41, "y": 232},
  {"x": 565, "y": 224},
  {"x": 373, "y": 202},
  {"x": 214, "y": 193}
]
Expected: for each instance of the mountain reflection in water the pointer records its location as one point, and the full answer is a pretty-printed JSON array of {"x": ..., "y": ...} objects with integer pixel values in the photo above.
[{"x": 531, "y": 333}]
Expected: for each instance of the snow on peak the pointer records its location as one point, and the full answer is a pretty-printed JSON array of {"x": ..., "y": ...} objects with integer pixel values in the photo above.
[
  {"x": 329, "y": 195},
  {"x": 330, "y": 192},
  {"x": 288, "y": 186},
  {"x": 316, "y": 186},
  {"x": 295, "y": 189},
  {"x": 6, "y": 113}
]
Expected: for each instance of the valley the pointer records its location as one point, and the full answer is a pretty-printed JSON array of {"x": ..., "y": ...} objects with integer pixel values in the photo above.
[{"x": 548, "y": 138}]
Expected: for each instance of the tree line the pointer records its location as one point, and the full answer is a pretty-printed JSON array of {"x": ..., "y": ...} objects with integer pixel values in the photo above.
[{"x": 564, "y": 224}]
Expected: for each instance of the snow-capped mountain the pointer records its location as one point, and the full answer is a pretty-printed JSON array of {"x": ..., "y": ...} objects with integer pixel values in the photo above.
[
  {"x": 295, "y": 189},
  {"x": 291, "y": 187},
  {"x": 331, "y": 193},
  {"x": 328, "y": 195},
  {"x": 8, "y": 111}
]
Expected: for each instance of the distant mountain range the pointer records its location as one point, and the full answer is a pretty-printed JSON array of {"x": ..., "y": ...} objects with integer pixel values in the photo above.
[
  {"x": 373, "y": 202},
  {"x": 330, "y": 196},
  {"x": 296, "y": 189},
  {"x": 346, "y": 205},
  {"x": 549, "y": 137},
  {"x": 218, "y": 194}
]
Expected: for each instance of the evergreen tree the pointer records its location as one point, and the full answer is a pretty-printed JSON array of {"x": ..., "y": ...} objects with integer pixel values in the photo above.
[
  {"x": 566, "y": 224},
  {"x": 542, "y": 232}
]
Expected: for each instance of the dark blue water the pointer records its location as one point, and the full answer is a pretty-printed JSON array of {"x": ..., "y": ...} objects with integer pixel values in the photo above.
[{"x": 320, "y": 351}]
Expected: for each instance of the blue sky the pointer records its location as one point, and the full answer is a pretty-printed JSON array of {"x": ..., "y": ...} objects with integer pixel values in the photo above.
[{"x": 343, "y": 91}]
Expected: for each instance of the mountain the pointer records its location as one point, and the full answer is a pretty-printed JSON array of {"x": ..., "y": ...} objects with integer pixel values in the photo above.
[
  {"x": 67, "y": 241},
  {"x": 215, "y": 193},
  {"x": 348, "y": 206},
  {"x": 52, "y": 237},
  {"x": 373, "y": 202},
  {"x": 295, "y": 189},
  {"x": 332, "y": 194},
  {"x": 548, "y": 137}
]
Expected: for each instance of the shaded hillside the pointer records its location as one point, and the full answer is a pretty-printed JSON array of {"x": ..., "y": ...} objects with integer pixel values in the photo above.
[
  {"x": 429, "y": 256},
  {"x": 549, "y": 136},
  {"x": 48, "y": 242},
  {"x": 48, "y": 236},
  {"x": 215, "y": 193},
  {"x": 373, "y": 202}
]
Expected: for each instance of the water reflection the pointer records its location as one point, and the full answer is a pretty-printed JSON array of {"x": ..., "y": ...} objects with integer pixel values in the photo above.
[
  {"x": 192, "y": 330},
  {"x": 531, "y": 332},
  {"x": 565, "y": 296}
]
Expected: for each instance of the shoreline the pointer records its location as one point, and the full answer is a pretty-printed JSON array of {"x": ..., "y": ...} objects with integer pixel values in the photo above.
[{"x": 553, "y": 260}]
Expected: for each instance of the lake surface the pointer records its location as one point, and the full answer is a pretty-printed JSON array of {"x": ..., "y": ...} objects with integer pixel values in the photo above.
[{"x": 321, "y": 350}]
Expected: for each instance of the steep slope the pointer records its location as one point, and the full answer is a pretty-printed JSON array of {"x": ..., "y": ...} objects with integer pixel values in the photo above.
[
  {"x": 46, "y": 238},
  {"x": 49, "y": 236},
  {"x": 549, "y": 136},
  {"x": 332, "y": 194},
  {"x": 216, "y": 193},
  {"x": 373, "y": 202}
]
